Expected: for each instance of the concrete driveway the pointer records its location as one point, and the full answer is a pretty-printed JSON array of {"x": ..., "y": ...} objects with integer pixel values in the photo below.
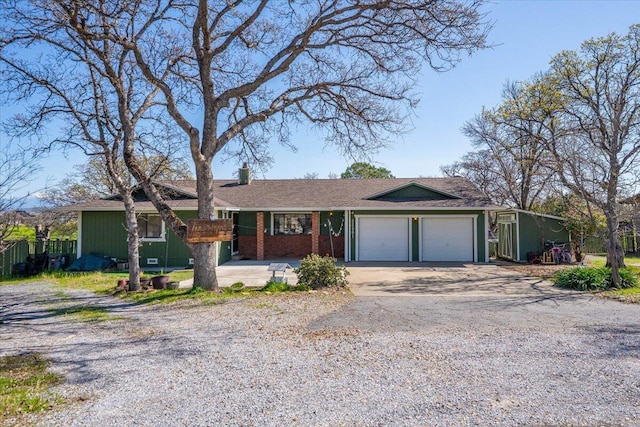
[
  {"x": 440, "y": 279},
  {"x": 406, "y": 279}
]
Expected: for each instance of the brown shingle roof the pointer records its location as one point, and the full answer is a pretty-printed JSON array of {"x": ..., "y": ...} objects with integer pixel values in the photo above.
[{"x": 322, "y": 194}]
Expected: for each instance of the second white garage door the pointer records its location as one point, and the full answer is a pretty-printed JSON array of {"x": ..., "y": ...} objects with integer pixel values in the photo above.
[
  {"x": 383, "y": 239},
  {"x": 447, "y": 239}
]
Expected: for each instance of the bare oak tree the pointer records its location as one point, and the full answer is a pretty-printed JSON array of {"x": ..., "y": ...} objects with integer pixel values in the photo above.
[
  {"x": 347, "y": 68},
  {"x": 16, "y": 169},
  {"x": 89, "y": 91},
  {"x": 510, "y": 162},
  {"x": 91, "y": 180},
  {"x": 597, "y": 154},
  {"x": 235, "y": 75},
  {"x": 589, "y": 105}
]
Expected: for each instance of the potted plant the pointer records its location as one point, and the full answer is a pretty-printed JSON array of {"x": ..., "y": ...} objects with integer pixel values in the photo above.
[{"x": 160, "y": 282}]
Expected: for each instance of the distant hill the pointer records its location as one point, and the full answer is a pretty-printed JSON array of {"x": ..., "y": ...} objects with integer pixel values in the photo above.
[{"x": 28, "y": 204}]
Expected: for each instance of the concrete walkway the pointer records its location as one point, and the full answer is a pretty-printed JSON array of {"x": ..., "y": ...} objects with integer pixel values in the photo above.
[{"x": 252, "y": 273}]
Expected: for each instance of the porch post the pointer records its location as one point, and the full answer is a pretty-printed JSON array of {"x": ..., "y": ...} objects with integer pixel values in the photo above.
[
  {"x": 315, "y": 232},
  {"x": 260, "y": 236}
]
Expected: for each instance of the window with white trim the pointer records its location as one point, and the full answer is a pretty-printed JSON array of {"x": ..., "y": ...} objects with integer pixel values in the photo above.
[
  {"x": 150, "y": 227},
  {"x": 292, "y": 223}
]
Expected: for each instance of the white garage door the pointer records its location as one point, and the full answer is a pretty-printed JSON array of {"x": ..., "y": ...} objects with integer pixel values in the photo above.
[
  {"x": 447, "y": 239},
  {"x": 383, "y": 239}
]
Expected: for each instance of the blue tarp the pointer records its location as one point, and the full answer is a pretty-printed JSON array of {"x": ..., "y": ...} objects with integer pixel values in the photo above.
[{"x": 92, "y": 262}]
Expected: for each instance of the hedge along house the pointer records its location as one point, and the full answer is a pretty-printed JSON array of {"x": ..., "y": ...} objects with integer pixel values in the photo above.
[
  {"x": 399, "y": 219},
  {"x": 522, "y": 233}
]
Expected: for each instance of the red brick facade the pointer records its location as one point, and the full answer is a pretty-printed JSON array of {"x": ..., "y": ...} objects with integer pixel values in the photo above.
[
  {"x": 260, "y": 236},
  {"x": 247, "y": 247},
  {"x": 288, "y": 246},
  {"x": 338, "y": 246}
]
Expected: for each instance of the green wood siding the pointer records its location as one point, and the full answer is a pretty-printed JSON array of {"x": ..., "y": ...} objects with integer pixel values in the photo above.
[
  {"x": 535, "y": 230},
  {"x": 224, "y": 252},
  {"x": 414, "y": 192},
  {"x": 267, "y": 222},
  {"x": 247, "y": 223},
  {"x": 104, "y": 233},
  {"x": 337, "y": 222},
  {"x": 415, "y": 241}
]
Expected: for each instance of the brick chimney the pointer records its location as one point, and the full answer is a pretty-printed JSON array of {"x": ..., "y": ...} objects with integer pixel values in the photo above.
[{"x": 245, "y": 174}]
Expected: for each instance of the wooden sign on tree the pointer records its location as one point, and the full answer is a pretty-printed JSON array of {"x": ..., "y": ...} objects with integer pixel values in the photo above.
[{"x": 206, "y": 231}]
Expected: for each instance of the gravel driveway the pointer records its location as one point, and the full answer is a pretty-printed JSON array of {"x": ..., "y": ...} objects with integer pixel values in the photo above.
[{"x": 317, "y": 359}]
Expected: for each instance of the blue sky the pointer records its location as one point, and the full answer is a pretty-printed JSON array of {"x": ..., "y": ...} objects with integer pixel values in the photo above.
[{"x": 526, "y": 35}]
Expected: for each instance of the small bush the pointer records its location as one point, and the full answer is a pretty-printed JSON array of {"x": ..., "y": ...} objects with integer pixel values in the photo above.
[
  {"x": 276, "y": 287},
  {"x": 592, "y": 279},
  {"x": 318, "y": 272},
  {"x": 629, "y": 279}
]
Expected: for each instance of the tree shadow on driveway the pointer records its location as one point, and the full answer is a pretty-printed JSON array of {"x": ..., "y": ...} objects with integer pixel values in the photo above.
[
  {"x": 444, "y": 280},
  {"x": 467, "y": 297}
]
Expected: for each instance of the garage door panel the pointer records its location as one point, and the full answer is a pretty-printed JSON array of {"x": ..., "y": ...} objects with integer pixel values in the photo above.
[
  {"x": 447, "y": 239},
  {"x": 383, "y": 239}
]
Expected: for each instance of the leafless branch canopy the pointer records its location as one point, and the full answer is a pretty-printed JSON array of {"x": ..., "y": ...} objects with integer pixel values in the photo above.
[
  {"x": 16, "y": 169},
  {"x": 232, "y": 74}
]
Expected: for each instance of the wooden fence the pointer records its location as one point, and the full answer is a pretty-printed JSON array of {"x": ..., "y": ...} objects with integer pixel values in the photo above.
[
  {"x": 21, "y": 249},
  {"x": 597, "y": 245}
]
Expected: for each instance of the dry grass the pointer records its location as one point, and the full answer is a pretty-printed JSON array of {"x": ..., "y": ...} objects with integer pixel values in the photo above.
[{"x": 24, "y": 384}]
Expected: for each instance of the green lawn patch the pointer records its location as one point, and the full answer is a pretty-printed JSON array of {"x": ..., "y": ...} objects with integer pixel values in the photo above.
[
  {"x": 90, "y": 313},
  {"x": 24, "y": 387},
  {"x": 105, "y": 283},
  {"x": 100, "y": 282},
  {"x": 632, "y": 262},
  {"x": 630, "y": 295}
]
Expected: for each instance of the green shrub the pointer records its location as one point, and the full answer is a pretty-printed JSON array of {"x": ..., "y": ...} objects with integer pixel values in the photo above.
[
  {"x": 592, "y": 279},
  {"x": 629, "y": 279},
  {"x": 318, "y": 272},
  {"x": 276, "y": 287}
]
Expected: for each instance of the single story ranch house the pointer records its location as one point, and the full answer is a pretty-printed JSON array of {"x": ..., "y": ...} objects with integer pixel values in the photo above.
[{"x": 398, "y": 219}]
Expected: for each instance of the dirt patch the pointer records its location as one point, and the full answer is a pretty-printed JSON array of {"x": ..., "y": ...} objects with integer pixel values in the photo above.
[{"x": 536, "y": 270}]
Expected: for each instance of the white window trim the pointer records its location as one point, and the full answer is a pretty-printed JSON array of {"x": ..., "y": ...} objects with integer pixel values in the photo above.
[
  {"x": 163, "y": 232},
  {"x": 272, "y": 221}
]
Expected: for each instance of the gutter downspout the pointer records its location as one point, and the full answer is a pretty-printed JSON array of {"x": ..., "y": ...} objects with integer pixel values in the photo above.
[
  {"x": 347, "y": 236},
  {"x": 79, "y": 240}
]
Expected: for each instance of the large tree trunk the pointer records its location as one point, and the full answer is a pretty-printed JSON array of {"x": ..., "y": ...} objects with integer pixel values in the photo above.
[
  {"x": 204, "y": 265},
  {"x": 205, "y": 254},
  {"x": 132, "y": 241},
  {"x": 615, "y": 253}
]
